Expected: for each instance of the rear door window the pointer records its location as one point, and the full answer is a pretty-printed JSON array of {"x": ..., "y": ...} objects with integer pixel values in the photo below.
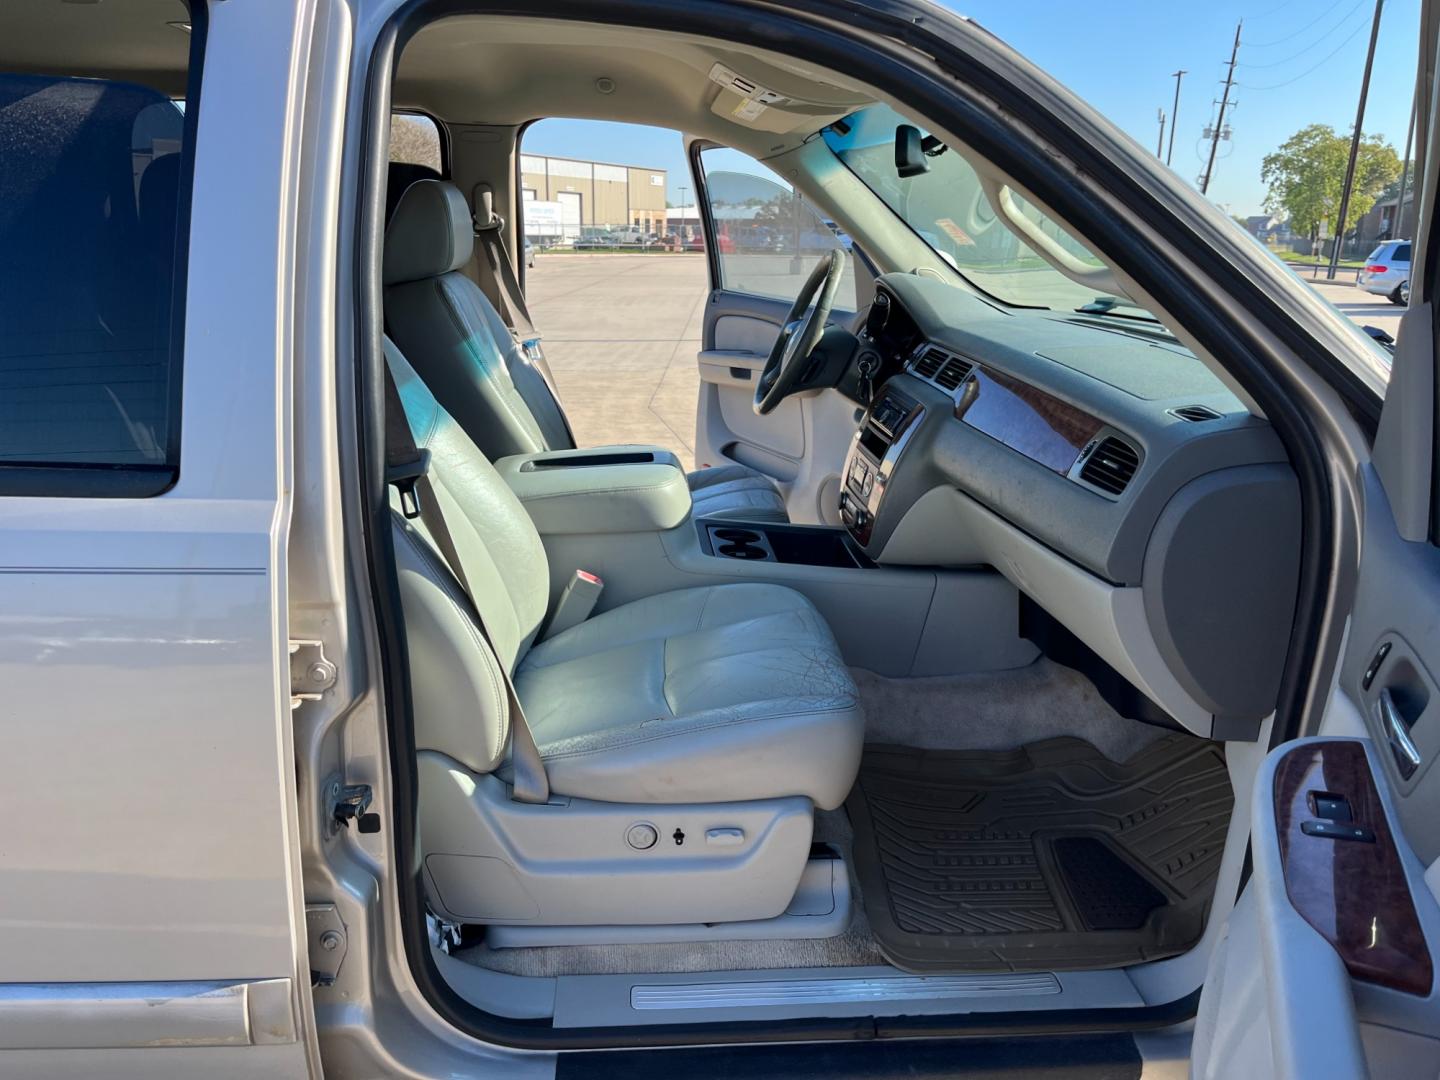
[{"x": 94, "y": 226}]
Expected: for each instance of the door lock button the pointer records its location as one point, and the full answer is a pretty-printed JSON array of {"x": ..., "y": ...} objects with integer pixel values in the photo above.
[{"x": 1331, "y": 807}]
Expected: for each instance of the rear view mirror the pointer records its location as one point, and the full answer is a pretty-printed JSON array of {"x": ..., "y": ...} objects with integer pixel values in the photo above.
[{"x": 909, "y": 152}]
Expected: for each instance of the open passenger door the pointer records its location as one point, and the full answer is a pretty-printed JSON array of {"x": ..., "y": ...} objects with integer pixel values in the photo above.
[{"x": 1327, "y": 966}]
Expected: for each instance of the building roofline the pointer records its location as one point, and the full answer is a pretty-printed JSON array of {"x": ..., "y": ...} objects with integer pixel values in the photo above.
[{"x": 595, "y": 161}]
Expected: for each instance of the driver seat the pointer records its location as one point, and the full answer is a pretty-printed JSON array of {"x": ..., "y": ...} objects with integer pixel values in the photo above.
[{"x": 464, "y": 351}]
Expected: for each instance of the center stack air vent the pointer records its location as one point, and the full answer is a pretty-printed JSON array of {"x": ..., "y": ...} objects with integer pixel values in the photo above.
[
  {"x": 1195, "y": 414},
  {"x": 1111, "y": 465},
  {"x": 928, "y": 363},
  {"x": 942, "y": 369}
]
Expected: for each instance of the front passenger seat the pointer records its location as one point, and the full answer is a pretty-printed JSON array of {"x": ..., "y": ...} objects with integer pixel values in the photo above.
[
  {"x": 718, "y": 716},
  {"x": 466, "y": 354}
]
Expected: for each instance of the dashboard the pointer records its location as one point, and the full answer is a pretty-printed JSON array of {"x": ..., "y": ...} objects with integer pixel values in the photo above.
[{"x": 1099, "y": 465}]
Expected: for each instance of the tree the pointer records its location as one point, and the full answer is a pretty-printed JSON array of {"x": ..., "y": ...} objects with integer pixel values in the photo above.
[{"x": 1306, "y": 174}]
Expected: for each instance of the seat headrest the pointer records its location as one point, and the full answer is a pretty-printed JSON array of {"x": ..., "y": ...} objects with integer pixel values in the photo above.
[
  {"x": 400, "y": 175},
  {"x": 430, "y": 234}
]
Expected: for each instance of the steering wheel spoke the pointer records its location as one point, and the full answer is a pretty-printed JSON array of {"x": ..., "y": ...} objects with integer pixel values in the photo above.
[{"x": 789, "y": 357}]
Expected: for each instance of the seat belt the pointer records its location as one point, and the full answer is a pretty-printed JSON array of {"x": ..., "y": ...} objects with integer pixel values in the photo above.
[
  {"x": 495, "y": 274},
  {"x": 407, "y": 468}
]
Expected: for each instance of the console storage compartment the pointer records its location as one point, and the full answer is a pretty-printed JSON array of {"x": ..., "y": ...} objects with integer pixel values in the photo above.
[
  {"x": 612, "y": 489},
  {"x": 801, "y": 545}
]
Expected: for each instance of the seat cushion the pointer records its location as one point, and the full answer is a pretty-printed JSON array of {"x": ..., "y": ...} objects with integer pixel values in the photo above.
[
  {"x": 719, "y": 694},
  {"x": 735, "y": 491}
]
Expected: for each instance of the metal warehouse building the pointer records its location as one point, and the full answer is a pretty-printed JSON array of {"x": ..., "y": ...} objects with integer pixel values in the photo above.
[{"x": 594, "y": 196}]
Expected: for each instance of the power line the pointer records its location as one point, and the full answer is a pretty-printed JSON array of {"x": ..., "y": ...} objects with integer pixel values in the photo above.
[
  {"x": 1273, "y": 11},
  {"x": 1297, "y": 33},
  {"x": 1310, "y": 71},
  {"x": 1314, "y": 44}
]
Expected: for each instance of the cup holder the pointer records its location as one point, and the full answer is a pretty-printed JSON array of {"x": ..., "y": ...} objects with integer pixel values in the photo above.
[
  {"x": 741, "y": 537},
  {"x": 742, "y": 551}
]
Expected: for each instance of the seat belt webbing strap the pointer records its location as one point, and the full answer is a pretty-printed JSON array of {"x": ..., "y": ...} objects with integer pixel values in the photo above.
[
  {"x": 407, "y": 467},
  {"x": 497, "y": 280}
]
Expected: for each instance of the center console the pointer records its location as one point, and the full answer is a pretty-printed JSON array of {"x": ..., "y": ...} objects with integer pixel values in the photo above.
[
  {"x": 876, "y": 448},
  {"x": 613, "y": 489}
]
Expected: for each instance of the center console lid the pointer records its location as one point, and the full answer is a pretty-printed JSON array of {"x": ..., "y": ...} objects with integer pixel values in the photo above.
[{"x": 607, "y": 489}]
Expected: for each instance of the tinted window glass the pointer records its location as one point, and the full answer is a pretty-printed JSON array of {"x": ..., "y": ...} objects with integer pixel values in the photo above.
[
  {"x": 1402, "y": 253},
  {"x": 769, "y": 238},
  {"x": 90, "y": 223}
]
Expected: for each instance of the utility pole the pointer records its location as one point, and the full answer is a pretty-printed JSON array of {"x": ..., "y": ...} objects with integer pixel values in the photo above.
[
  {"x": 1174, "y": 115},
  {"x": 1399, "y": 221},
  {"x": 1354, "y": 146},
  {"x": 1224, "y": 104},
  {"x": 1160, "y": 144}
]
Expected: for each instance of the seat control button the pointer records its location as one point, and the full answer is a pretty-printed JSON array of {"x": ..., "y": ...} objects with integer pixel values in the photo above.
[
  {"x": 641, "y": 836},
  {"x": 724, "y": 837}
]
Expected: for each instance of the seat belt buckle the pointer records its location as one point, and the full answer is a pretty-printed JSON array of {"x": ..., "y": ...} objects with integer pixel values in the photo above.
[
  {"x": 533, "y": 350},
  {"x": 403, "y": 478},
  {"x": 576, "y": 602}
]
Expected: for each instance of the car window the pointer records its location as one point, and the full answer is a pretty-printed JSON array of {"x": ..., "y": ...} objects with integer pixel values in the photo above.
[
  {"x": 768, "y": 238},
  {"x": 1402, "y": 253},
  {"x": 93, "y": 220},
  {"x": 415, "y": 140},
  {"x": 946, "y": 207}
]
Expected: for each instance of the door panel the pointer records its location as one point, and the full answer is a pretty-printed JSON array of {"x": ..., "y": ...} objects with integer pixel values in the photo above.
[
  {"x": 1329, "y": 966},
  {"x": 149, "y": 867}
]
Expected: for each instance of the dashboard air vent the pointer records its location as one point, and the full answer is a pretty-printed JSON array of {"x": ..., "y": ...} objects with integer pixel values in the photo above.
[
  {"x": 929, "y": 362},
  {"x": 1196, "y": 414},
  {"x": 953, "y": 373},
  {"x": 1111, "y": 465}
]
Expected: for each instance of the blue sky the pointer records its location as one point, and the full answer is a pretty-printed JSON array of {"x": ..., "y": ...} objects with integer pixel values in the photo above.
[{"x": 1300, "y": 63}]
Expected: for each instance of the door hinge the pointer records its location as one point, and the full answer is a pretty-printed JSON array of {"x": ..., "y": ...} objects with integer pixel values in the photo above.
[
  {"x": 328, "y": 943},
  {"x": 345, "y": 803},
  {"x": 311, "y": 671}
]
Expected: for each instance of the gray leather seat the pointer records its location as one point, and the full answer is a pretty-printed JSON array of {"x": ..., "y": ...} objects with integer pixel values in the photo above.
[
  {"x": 711, "y": 695},
  {"x": 462, "y": 348}
]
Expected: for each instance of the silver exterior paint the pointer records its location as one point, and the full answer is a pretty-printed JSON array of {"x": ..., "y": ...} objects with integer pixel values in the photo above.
[
  {"x": 142, "y": 643},
  {"x": 145, "y": 783}
]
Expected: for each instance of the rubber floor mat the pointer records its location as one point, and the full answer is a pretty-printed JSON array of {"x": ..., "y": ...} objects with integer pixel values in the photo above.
[{"x": 1046, "y": 858}]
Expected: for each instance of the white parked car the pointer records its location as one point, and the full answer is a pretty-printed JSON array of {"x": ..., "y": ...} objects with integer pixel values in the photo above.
[
  {"x": 1041, "y": 676},
  {"x": 1387, "y": 271}
]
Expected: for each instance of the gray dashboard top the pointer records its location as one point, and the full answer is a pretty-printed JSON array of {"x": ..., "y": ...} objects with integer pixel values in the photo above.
[{"x": 1124, "y": 375}]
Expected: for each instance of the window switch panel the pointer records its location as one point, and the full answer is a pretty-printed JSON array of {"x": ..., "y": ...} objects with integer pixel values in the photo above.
[{"x": 1337, "y": 830}]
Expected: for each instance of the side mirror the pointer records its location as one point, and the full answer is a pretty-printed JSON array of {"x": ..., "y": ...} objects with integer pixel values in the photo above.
[{"x": 909, "y": 152}]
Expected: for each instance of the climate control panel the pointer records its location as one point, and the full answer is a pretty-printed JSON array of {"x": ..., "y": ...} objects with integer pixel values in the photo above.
[{"x": 876, "y": 448}]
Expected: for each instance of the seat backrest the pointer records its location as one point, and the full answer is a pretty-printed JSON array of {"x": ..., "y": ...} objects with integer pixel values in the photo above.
[
  {"x": 459, "y": 697},
  {"x": 452, "y": 334}
]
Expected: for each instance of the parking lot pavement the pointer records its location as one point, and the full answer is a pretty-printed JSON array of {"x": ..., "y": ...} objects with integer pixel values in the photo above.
[
  {"x": 1364, "y": 308},
  {"x": 622, "y": 331}
]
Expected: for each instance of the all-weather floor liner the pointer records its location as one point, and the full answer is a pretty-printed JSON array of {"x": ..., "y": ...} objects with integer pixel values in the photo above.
[{"x": 1050, "y": 857}]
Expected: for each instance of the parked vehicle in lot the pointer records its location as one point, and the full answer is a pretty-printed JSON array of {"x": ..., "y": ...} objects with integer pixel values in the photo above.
[
  {"x": 529, "y": 253},
  {"x": 1387, "y": 271},
  {"x": 1039, "y": 675}
]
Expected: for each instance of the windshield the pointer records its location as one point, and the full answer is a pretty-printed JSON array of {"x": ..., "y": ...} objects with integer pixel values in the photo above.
[{"x": 946, "y": 207}]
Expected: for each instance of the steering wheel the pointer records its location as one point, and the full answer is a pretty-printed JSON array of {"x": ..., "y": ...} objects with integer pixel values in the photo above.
[{"x": 790, "y": 355}]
